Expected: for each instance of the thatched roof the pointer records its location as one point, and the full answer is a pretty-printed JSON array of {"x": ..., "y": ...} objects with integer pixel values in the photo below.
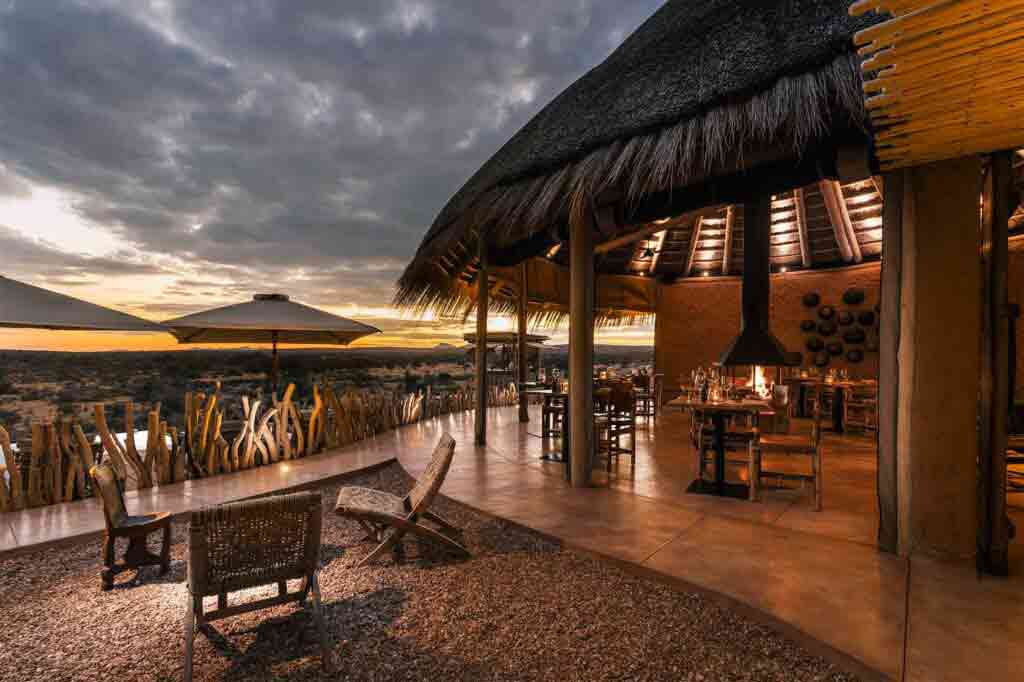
[{"x": 704, "y": 88}]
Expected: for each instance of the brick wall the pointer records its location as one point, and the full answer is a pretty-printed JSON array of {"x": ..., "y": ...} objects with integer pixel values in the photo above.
[{"x": 699, "y": 317}]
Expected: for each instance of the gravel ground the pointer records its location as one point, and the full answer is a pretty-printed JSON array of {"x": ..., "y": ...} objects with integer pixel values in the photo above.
[{"x": 521, "y": 609}]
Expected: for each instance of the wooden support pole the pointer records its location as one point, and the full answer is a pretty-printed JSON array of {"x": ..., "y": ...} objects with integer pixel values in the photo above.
[
  {"x": 993, "y": 531},
  {"x": 581, "y": 350},
  {"x": 801, "y": 226},
  {"x": 888, "y": 365},
  {"x": 522, "y": 358},
  {"x": 481, "y": 342}
]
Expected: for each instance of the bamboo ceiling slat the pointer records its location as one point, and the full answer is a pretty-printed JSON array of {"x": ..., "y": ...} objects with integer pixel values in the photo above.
[{"x": 943, "y": 78}]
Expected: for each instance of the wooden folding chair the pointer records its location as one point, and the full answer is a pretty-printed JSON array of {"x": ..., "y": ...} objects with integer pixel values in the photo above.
[{"x": 378, "y": 511}]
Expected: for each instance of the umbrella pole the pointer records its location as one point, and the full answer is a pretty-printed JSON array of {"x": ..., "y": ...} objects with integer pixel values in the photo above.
[{"x": 273, "y": 366}]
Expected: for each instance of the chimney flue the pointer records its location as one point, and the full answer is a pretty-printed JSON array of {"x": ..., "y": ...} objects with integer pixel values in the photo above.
[{"x": 756, "y": 345}]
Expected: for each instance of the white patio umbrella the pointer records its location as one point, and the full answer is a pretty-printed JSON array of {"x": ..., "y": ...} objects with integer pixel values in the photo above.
[
  {"x": 268, "y": 318},
  {"x": 26, "y": 306}
]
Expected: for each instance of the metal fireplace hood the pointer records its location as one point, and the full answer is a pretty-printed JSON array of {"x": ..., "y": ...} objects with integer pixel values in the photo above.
[{"x": 756, "y": 345}]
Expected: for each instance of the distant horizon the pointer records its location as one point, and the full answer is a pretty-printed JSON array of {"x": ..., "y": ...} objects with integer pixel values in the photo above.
[{"x": 100, "y": 342}]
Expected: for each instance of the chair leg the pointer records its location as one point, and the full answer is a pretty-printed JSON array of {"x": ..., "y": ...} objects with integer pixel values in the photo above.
[
  {"x": 391, "y": 541},
  {"x": 816, "y": 465},
  {"x": 107, "y": 574},
  {"x": 190, "y": 635},
  {"x": 754, "y": 471},
  {"x": 441, "y": 521},
  {"x": 165, "y": 550},
  {"x": 321, "y": 626}
]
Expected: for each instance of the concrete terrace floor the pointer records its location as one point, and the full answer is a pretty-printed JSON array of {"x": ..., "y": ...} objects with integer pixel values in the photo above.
[
  {"x": 818, "y": 576},
  {"x": 815, "y": 576}
]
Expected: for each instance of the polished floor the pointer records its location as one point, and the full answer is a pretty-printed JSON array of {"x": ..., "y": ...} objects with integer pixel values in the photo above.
[
  {"x": 814, "y": 575},
  {"x": 817, "y": 575}
]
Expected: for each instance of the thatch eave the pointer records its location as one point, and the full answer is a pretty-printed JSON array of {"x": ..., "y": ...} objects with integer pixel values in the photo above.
[{"x": 763, "y": 110}]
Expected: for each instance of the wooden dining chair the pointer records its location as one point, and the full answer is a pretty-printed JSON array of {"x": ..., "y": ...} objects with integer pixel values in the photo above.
[
  {"x": 860, "y": 407},
  {"x": 120, "y": 524},
  {"x": 787, "y": 444},
  {"x": 618, "y": 423}
]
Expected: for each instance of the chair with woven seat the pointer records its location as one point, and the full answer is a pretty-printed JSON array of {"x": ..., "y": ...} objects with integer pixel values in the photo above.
[
  {"x": 787, "y": 444},
  {"x": 120, "y": 524},
  {"x": 249, "y": 544},
  {"x": 378, "y": 511}
]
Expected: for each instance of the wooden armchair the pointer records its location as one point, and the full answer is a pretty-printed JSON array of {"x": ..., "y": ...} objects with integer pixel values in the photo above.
[
  {"x": 787, "y": 444},
  {"x": 249, "y": 544},
  {"x": 119, "y": 524}
]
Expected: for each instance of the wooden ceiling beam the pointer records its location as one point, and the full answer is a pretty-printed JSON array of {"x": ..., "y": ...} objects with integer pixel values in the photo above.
[
  {"x": 660, "y": 239},
  {"x": 629, "y": 238},
  {"x": 727, "y": 245},
  {"x": 806, "y": 257},
  {"x": 694, "y": 239},
  {"x": 846, "y": 238}
]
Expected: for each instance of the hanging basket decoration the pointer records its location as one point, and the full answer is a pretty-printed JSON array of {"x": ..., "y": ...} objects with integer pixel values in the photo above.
[
  {"x": 855, "y": 355},
  {"x": 855, "y": 335},
  {"x": 827, "y": 328},
  {"x": 808, "y": 326},
  {"x": 814, "y": 344},
  {"x": 811, "y": 300},
  {"x": 834, "y": 348},
  {"x": 822, "y": 359},
  {"x": 853, "y": 296},
  {"x": 866, "y": 318},
  {"x": 826, "y": 312},
  {"x": 845, "y": 318}
]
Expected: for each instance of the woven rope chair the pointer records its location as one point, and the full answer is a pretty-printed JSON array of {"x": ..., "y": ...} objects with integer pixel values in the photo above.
[
  {"x": 378, "y": 511},
  {"x": 120, "y": 524},
  {"x": 249, "y": 544}
]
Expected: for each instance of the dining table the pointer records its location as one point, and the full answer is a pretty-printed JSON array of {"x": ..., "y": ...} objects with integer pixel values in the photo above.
[{"x": 720, "y": 411}]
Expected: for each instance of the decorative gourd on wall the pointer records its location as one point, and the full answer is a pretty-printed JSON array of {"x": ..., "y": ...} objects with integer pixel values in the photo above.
[{"x": 857, "y": 328}]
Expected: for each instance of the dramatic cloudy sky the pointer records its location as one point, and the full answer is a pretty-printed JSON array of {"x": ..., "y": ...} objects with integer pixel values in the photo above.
[{"x": 162, "y": 156}]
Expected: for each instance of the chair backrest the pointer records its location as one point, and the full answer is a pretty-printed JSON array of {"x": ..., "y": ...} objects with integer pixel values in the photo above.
[
  {"x": 111, "y": 491},
  {"x": 423, "y": 493},
  {"x": 623, "y": 398},
  {"x": 257, "y": 542},
  {"x": 780, "y": 396}
]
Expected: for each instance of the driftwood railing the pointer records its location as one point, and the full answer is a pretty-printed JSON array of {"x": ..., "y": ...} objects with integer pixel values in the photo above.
[{"x": 56, "y": 467}]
